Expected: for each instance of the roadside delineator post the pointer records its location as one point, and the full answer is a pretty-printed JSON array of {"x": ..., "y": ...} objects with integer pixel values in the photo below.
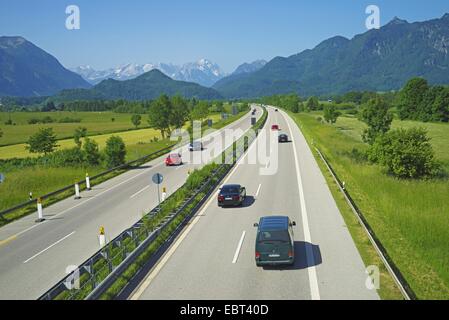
[
  {"x": 102, "y": 237},
  {"x": 344, "y": 185},
  {"x": 40, "y": 215},
  {"x": 87, "y": 182},
  {"x": 77, "y": 191},
  {"x": 164, "y": 194},
  {"x": 31, "y": 196}
]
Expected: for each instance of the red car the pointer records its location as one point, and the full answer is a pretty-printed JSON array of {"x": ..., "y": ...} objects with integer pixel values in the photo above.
[
  {"x": 275, "y": 127},
  {"x": 173, "y": 159}
]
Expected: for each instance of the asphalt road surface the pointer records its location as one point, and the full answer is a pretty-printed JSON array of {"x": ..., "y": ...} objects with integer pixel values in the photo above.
[
  {"x": 34, "y": 257},
  {"x": 214, "y": 257}
]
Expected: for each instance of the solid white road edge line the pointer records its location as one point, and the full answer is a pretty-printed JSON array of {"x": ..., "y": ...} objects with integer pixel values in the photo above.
[
  {"x": 49, "y": 247},
  {"x": 239, "y": 247},
  {"x": 159, "y": 265},
  {"x": 314, "y": 290}
]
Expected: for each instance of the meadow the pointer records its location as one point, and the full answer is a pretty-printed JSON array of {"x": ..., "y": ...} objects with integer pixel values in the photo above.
[
  {"x": 95, "y": 122},
  {"x": 410, "y": 217}
]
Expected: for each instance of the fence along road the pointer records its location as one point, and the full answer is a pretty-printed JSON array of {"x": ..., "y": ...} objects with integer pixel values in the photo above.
[
  {"x": 33, "y": 257},
  {"x": 214, "y": 257}
]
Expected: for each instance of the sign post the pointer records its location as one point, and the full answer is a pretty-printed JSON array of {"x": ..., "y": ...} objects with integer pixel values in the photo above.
[{"x": 157, "y": 180}]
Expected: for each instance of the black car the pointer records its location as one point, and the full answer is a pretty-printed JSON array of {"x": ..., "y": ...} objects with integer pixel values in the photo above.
[
  {"x": 276, "y": 110},
  {"x": 196, "y": 146},
  {"x": 283, "y": 137},
  {"x": 231, "y": 195},
  {"x": 275, "y": 244}
]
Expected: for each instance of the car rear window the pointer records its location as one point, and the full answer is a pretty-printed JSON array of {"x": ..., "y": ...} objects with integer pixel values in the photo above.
[
  {"x": 277, "y": 235},
  {"x": 230, "y": 190}
]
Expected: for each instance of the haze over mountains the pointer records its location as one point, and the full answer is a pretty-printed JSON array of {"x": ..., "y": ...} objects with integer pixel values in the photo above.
[
  {"x": 147, "y": 86},
  {"x": 377, "y": 60},
  {"x": 203, "y": 72}
]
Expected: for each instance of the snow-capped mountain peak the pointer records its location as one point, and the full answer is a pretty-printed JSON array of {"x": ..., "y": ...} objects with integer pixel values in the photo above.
[{"x": 203, "y": 72}]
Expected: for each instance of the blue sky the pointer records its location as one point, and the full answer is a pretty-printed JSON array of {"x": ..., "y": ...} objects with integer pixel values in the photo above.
[{"x": 228, "y": 32}]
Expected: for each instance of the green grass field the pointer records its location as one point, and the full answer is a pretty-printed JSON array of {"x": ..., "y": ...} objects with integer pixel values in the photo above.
[
  {"x": 95, "y": 122},
  {"x": 409, "y": 217}
]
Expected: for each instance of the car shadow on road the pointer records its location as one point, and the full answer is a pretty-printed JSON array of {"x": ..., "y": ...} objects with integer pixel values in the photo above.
[{"x": 301, "y": 257}]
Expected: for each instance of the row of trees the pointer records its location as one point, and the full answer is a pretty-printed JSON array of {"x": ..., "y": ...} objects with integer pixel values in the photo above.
[
  {"x": 166, "y": 114},
  {"x": 119, "y": 106}
]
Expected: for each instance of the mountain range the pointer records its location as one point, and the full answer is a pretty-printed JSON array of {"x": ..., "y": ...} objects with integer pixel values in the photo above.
[
  {"x": 147, "y": 86},
  {"x": 378, "y": 60},
  {"x": 26, "y": 70},
  {"x": 203, "y": 72}
]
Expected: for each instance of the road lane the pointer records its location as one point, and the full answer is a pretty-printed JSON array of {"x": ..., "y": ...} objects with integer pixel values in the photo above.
[
  {"x": 199, "y": 264},
  {"x": 108, "y": 204}
]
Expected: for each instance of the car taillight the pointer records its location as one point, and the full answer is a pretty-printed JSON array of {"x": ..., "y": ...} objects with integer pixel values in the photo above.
[
  {"x": 257, "y": 255},
  {"x": 290, "y": 254},
  {"x": 236, "y": 198},
  {"x": 220, "y": 198}
]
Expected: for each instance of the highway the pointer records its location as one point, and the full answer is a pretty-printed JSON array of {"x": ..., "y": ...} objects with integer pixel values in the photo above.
[
  {"x": 35, "y": 256},
  {"x": 213, "y": 258}
]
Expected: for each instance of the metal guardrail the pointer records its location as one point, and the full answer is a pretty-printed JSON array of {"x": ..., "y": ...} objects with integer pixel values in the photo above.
[
  {"x": 100, "y": 271},
  {"x": 394, "y": 271}
]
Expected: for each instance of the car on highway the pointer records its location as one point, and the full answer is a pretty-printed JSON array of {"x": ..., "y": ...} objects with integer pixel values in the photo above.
[
  {"x": 173, "y": 159},
  {"x": 196, "y": 146},
  {"x": 274, "y": 241},
  {"x": 276, "y": 110},
  {"x": 231, "y": 195},
  {"x": 275, "y": 127},
  {"x": 283, "y": 137},
  {"x": 254, "y": 112}
]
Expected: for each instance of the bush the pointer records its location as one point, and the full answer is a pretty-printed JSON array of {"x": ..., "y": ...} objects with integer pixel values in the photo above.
[
  {"x": 43, "y": 141},
  {"x": 69, "y": 120},
  {"x": 407, "y": 153},
  {"x": 47, "y": 119},
  {"x": 115, "y": 152},
  {"x": 91, "y": 152},
  {"x": 67, "y": 157},
  {"x": 33, "y": 121}
]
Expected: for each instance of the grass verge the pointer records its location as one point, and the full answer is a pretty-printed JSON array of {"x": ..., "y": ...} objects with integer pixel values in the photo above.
[{"x": 408, "y": 216}]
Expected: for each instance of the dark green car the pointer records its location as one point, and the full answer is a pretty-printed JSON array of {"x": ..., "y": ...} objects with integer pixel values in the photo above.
[{"x": 274, "y": 241}]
